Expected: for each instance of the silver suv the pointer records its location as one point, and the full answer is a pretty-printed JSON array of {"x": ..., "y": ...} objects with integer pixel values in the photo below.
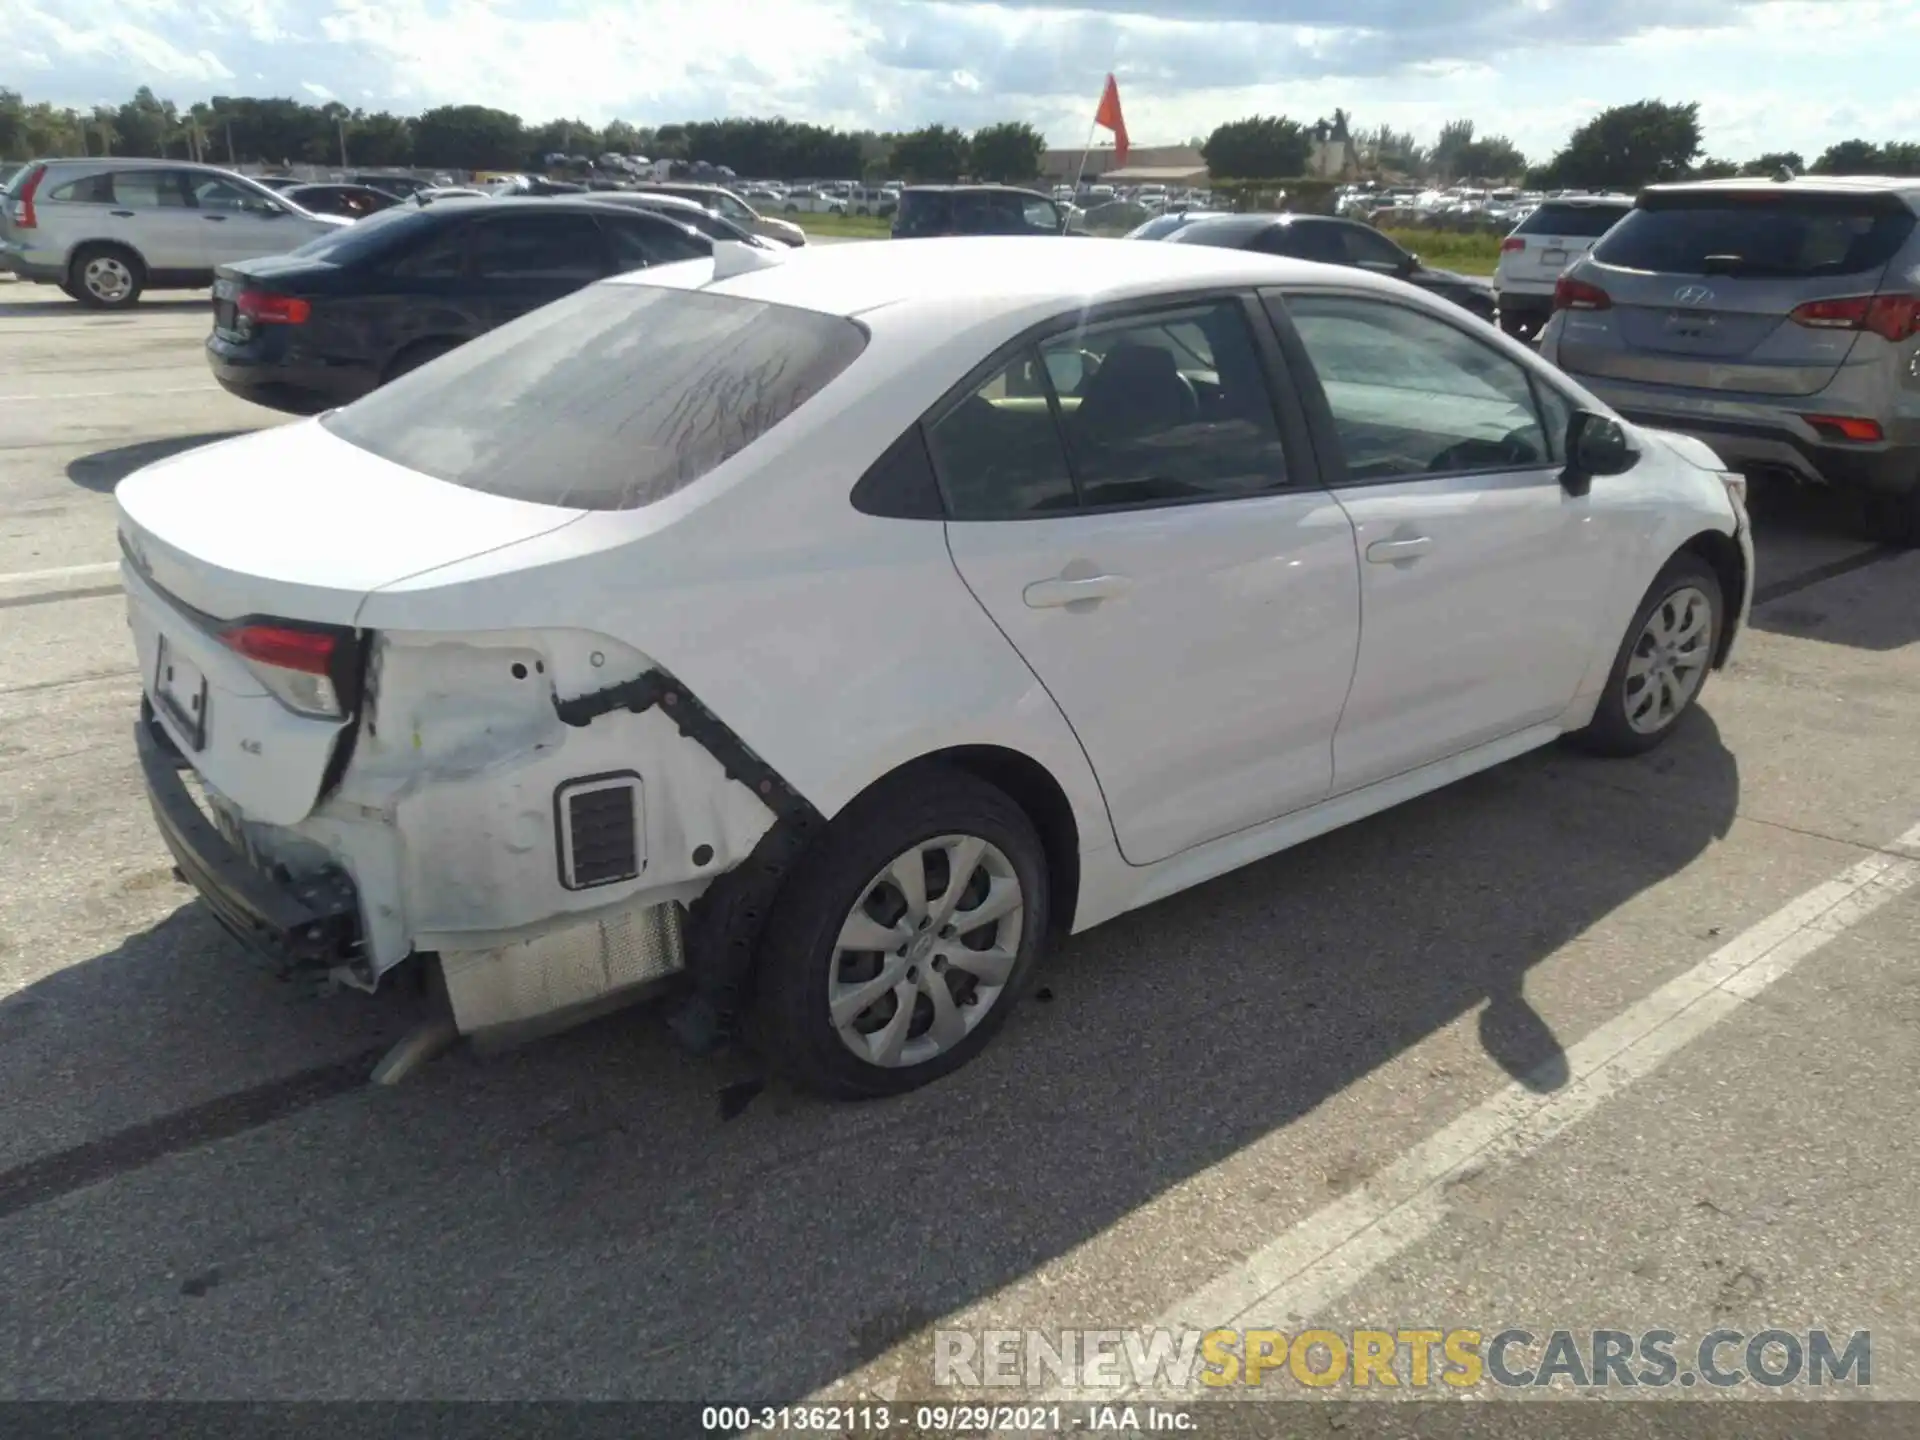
[
  {"x": 1778, "y": 321},
  {"x": 104, "y": 230}
]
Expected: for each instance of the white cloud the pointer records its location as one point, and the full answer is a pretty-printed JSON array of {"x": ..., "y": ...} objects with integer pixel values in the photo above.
[{"x": 1769, "y": 74}]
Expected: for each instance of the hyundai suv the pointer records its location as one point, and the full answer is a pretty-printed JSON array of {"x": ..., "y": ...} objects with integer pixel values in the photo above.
[
  {"x": 103, "y": 230},
  {"x": 1777, "y": 321}
]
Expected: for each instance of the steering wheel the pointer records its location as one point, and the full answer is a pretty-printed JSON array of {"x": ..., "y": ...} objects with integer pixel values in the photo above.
[{"x": 1516, "y": 448}]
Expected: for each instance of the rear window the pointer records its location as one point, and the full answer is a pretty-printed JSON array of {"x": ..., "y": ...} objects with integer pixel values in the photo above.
[
  {"x": 924, "y": 209},
  {"x": 610, "y": 399},
  {"x": 1575, "y": 222},
  {"x": 369, "y": 236},
  {"x": 1766, "y": 236}
]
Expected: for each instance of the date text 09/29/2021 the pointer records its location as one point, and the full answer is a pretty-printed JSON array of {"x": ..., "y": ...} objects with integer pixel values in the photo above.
[{"x": 880, "y": 1417}]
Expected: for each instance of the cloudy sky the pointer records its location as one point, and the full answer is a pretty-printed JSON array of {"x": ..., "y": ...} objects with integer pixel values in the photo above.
[{"x": 1770, "y": 74}]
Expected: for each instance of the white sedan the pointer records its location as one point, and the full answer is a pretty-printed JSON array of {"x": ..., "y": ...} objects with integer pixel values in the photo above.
[{"x": 823, "y": 633}]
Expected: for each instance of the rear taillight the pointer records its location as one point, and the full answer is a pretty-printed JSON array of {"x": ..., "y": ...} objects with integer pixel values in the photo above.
[
  {"x": 1894, "y": 318},
  {"x": 1579, "y": 295},
  {"x": 1854, "y": 428},
  {"x": 1512, "y": 244},
  {"x": 299, "y": 665},
  {"x": 264, "y": 308},
  {"x": 20, "y": 207}
]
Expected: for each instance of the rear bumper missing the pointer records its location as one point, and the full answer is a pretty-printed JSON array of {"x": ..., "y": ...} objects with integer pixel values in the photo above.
[{"x": 311, "y": 924}]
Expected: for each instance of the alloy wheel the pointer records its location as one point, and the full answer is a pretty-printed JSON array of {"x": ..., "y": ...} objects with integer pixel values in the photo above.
[
  {"x": 107, "y": 279},
  {"x": 926, "y": 952},
  {"x": 1669, "y": 660}
]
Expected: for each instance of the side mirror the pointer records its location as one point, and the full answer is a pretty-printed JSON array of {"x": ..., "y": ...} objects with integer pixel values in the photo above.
[
  {"x": 1410, "y": 264},
  {"x": 1596, "y": 445}
]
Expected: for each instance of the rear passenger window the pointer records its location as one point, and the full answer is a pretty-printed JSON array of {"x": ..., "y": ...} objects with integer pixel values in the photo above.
[
  {"x": 1413, "y": 396},
  {"x": 538, "y": 247},
  {"x": 151, "y": 189},
  {"x": 998, "y": 452},
  {"x": 87, "y": 190},
  {"x": 1167, "y": 408},
  {"x": 638, "y": 244}
]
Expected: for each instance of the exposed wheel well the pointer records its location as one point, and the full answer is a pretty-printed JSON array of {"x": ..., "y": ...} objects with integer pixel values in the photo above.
[
  {"x": 1722, "y": 552},
  {"x": 1034, "y": 789}
]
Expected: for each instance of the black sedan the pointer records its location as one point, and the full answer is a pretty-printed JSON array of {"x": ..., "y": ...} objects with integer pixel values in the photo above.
[
  {"x": 355, "y": 202},
  {"x": 1336, "y": 242},
  {"x": 342, "y": 315}
]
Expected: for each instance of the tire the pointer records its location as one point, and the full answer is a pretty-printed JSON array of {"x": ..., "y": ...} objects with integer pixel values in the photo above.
[
  {"x": 416, "y": 355},
  {"x": 1894, "y": 519},
  {"x": 105, "y": 277},
  {"x": 1622, "y": 726},
  {"x": 916, "y": 822}
]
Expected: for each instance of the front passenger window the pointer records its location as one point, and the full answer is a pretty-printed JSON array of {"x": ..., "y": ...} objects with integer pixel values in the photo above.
[{"x": 1413, "y": 396}]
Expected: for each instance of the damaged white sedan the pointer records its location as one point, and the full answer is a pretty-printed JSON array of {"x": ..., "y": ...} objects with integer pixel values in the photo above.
[{"x": 825, "y": 633}]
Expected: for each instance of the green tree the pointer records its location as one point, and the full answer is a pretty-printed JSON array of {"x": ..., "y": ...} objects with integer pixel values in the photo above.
[
  {"x": 935, "y": 153},
  {"x": 1900, "y": 157},
  {"x": 469, "y": 137},
  {"x": 1849, "y": 157},
  {"x": 1629, "y": 146},
  {"x": 1772, "y": 163},
  {"x": 145, "y": 124},
  {"x": 1009, "y": 151},
  {"x": 1387, "y": 149},
  {"x": 1260, "y": 147},
  {"x": 1711, "y": 169},
  {"x": 1452, "y": 150},
  {"x": 101, "y": 127},
  {"x": 13, "y": 125},
  {"x": 380, "y": 139}
]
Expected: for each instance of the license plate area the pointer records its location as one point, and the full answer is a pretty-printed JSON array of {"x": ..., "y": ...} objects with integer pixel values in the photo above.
[
  {"x": 225, "y": 311},
  {"x": 1555, "y": 258},
  {"x": 180, "y": 690}
]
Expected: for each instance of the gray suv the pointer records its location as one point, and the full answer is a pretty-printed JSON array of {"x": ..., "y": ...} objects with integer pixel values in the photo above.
[
  {"x": 103, "y": 230},
  {"x": 1779, "y": 322}
]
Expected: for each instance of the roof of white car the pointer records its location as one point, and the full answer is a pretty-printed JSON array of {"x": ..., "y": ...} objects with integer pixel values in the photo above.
[{"x": 997, "y": 271}]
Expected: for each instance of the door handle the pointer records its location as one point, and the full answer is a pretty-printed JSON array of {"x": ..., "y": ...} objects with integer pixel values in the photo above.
[
  {"x": 215, "y": 219},
  {"x": 1088, "y": 592},
  {"x": 1395, "y": 552},
  {"x": 122, "y": 214}
]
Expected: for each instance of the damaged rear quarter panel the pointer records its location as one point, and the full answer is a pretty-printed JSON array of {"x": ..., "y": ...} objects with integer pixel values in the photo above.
[{"x": 461, "y": 752}]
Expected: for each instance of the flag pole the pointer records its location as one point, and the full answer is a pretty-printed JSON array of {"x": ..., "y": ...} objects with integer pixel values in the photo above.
[{"x": 1066, "y": 221}]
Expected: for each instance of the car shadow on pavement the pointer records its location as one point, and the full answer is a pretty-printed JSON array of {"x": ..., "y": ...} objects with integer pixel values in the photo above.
[
  {"x": 50, "y": 306},
  {"x": 1819, "y": 579},
  {"x": 576, "y": 1218},
  {"x": 104, "y": 469}
]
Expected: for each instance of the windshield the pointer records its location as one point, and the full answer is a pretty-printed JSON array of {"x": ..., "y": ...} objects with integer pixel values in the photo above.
[
  {"x": 609, "y": 399},
  {"x": 1803, "y": 236}
]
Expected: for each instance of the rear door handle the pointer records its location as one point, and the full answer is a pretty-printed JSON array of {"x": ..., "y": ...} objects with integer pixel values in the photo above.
[
  {"x": 216, "y": 219},
  {"x": 1394, "y": 552},
  {"x": 123, "y": 214},
  {"x": 1090, "y": 591}
]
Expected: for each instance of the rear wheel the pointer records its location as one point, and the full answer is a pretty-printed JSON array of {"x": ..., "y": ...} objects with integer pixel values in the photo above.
[
  {"x": 1894, "y": 519},
  {"x": 416, "y": 355},
  {"x": 105, "y": 277},
  {"x": 900, "y": 941},
  {"x": 1663, "y": 662}
]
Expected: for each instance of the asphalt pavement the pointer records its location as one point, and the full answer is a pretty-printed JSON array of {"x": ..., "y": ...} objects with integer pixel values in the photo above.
[{"x": 1572, "y": 1045}]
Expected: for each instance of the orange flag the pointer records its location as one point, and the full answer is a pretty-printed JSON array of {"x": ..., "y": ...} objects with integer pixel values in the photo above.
[{"x": 1108, "y": 116}]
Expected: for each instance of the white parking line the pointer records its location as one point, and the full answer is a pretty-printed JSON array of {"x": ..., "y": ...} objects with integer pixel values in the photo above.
[
  {"x": 111, "y": 394},
  {"x": 1285, "y": 1283},
  {"x": 65, "y": 572}
]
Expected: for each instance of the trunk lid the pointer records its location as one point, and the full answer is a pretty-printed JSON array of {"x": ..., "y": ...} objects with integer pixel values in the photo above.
[
  {"x": 293, "y": 525},
  {"x": 1704, "y": 286}
]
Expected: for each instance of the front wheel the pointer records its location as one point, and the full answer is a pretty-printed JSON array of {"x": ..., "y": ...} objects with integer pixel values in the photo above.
[
  {"x": 900, "y": 942},
  {"x": 1662, "y": 663}
]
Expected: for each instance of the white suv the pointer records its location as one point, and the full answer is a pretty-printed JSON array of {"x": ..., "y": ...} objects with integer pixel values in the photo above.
[
  {"x": 1556, "y": 234},
  {"x": 103, "y": 230}
]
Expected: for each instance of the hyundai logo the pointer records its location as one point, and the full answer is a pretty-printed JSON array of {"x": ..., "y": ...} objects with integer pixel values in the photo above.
[{"x": 1692, "y": 295}]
